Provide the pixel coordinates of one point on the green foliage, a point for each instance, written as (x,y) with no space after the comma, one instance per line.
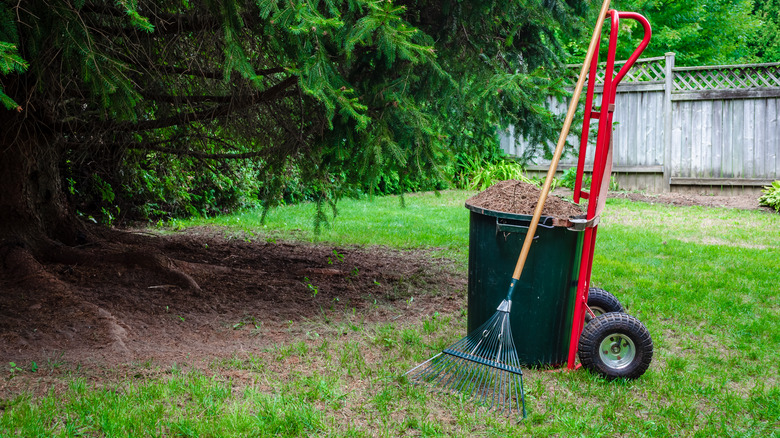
(771,197)
(765,43)
(569,178)
(189,108)
(481,175)
(155,186)
(700,32)
(10,61)
(175,187)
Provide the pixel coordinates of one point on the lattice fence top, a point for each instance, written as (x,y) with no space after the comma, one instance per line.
(726,77)
(644,70)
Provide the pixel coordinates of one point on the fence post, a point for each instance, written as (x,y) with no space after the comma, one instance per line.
(668,87)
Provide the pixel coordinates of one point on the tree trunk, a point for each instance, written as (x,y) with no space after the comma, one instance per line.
(33,206)
(36,225)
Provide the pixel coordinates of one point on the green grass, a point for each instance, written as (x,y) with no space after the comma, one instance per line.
(426,221)
(705,282)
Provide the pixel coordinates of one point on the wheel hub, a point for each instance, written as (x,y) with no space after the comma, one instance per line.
(617,351)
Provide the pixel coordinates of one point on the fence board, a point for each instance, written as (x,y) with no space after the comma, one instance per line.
(728,135)
(749,165)
(760,152)
(706,140)
(696,139)
(774,127)
(738,133)
(717,139)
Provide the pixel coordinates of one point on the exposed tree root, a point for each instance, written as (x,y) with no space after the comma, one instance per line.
(42,291)
(31,284)
(105,254)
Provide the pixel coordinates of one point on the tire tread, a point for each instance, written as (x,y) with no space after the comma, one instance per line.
(609,323)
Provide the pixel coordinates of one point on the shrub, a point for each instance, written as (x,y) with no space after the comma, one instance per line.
(771,197)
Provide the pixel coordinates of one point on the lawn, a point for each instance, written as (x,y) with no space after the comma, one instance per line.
(703,280)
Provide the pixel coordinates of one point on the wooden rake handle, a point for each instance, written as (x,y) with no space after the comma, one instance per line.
(575,98)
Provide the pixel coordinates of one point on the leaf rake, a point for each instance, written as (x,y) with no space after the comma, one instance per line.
(483,365)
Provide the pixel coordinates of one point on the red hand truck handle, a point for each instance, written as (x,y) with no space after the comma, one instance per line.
(638,51)
(611,84)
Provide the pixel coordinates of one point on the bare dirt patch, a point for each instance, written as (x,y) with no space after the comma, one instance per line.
(249,294)
(743,202)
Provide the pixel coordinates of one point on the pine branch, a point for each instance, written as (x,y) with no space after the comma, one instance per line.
(166,23)
(291,143)
(169,98)
(219,112)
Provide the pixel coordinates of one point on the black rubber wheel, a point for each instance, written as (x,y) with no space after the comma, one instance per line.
(601,301)
(616,345)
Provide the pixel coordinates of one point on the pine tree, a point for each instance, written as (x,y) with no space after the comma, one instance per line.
(344,91)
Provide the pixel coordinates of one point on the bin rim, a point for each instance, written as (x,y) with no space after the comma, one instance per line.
(504,214)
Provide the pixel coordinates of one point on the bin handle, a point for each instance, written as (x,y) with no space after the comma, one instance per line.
(516,226)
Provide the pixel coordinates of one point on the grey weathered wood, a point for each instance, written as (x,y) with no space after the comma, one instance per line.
(668,125)
(728,138)
(771,142)
(748,93)
(642,86)
(589,168)
(717,138)
(706,168)
(720,181)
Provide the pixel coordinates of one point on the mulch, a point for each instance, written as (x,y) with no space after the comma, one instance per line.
(518,197)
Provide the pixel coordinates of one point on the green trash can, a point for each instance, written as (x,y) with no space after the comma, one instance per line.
(543,302)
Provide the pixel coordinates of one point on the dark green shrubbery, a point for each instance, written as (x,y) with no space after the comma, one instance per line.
(154,186)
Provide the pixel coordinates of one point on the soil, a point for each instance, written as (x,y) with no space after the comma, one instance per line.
(742,202)
(247,296)
(517,197)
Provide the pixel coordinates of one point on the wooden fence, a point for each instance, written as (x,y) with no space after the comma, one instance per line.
(710,129)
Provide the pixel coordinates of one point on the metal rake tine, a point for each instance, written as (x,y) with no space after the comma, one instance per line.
(500,396)
(479,378)
(471,376)
(452,369)
(474,373)
(487,377)
(464,375)
(497,390)
(498,358)
(508,391)
(448,372)
(436,367)
(443,369)
(522,394)
(489,389)
(514,397)
(422,364)
(481,339)
(509,397)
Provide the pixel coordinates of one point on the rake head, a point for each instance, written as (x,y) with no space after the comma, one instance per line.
(483,366)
